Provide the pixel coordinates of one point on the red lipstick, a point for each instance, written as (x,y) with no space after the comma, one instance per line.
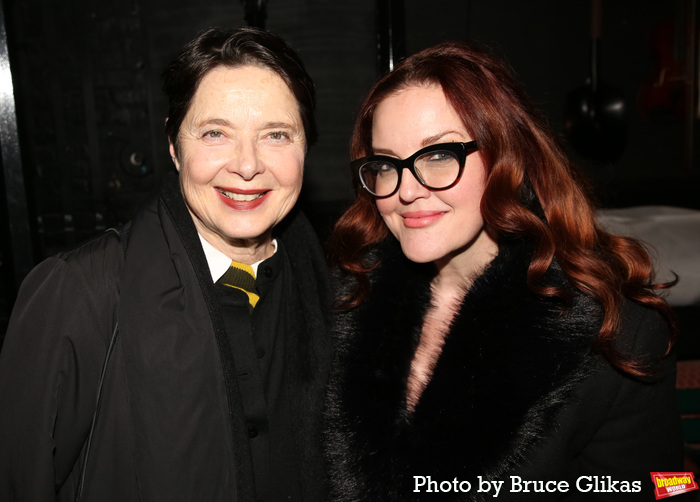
(243,203)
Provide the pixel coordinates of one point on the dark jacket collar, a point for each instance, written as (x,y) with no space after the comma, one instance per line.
(508,363)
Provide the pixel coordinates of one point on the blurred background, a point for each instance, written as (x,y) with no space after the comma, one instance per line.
(82,113)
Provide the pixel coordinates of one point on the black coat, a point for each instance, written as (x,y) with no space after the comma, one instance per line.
(171,425)
(515,392)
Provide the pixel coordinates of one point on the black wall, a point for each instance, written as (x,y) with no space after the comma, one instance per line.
(91,113)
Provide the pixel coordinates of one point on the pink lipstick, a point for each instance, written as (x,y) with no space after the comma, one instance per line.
(420,219)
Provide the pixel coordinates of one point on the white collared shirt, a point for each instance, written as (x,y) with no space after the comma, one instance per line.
(219,263)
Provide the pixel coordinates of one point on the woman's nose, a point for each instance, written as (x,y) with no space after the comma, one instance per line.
(410,188)
(246,161)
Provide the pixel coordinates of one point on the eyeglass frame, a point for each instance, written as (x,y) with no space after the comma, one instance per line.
(460,149)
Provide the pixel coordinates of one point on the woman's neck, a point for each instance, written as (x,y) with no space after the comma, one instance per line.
(459,269)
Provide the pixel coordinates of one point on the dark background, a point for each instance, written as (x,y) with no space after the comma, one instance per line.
(90,112)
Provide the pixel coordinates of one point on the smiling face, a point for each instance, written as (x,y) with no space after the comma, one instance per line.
(241,157)
(444,227)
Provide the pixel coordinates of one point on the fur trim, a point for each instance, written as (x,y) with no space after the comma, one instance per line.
(508,363)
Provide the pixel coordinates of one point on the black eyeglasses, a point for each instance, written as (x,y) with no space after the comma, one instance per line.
(437,167)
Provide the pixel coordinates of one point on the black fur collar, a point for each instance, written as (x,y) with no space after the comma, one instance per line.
(508,363)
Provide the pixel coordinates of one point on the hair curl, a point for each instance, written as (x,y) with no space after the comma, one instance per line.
(532,191)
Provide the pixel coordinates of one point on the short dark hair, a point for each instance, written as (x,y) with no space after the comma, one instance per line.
(234,48)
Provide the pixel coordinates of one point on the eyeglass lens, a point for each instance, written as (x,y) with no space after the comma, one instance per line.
(437,169)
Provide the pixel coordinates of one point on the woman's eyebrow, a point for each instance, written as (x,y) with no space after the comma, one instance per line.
(215,121)
(430,140)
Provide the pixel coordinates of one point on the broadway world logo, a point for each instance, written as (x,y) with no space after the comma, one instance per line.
(668,484)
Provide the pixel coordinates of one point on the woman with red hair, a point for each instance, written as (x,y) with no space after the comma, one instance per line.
(489,328)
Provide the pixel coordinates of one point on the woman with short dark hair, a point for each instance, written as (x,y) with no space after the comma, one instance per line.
(199,328)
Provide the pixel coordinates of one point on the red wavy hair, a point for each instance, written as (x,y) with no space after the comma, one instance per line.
(524,162)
